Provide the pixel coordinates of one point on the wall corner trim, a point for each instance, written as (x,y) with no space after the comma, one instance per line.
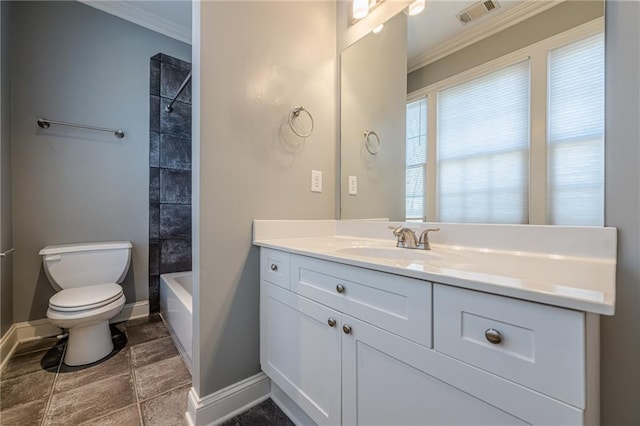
(226,403)
(8,345)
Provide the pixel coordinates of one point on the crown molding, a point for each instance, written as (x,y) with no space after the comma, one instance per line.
(481,31)
(141,17)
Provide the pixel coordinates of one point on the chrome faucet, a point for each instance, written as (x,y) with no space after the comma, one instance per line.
(407,238)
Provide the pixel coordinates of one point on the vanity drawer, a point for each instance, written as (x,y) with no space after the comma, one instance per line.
(538,346)
(397,304)
(275,267)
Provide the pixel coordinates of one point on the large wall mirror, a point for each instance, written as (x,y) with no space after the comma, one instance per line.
(499,120)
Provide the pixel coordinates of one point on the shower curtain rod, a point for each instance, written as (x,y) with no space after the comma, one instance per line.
(169,107)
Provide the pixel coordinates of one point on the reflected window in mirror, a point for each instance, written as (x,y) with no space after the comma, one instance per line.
(416,159)
(503,155)
(483,148)
(576,133)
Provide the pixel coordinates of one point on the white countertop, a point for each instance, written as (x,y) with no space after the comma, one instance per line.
(584,282)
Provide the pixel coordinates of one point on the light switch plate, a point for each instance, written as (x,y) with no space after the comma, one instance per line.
(353,185)
(316,181)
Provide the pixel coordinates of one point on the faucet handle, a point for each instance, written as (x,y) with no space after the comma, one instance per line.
(397,232)
(396,229)
(424,238)
(430,230)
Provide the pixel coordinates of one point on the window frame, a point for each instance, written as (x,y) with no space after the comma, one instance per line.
(422,165)
(537,54)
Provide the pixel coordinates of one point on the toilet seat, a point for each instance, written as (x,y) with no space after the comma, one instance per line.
(85,298)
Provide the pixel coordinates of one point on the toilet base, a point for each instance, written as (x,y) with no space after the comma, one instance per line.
(88,344)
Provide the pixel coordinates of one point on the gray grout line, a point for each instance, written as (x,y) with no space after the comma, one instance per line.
(132,372)
(140,414)
(133,378)
(105,415)
(53,386)
(165,392)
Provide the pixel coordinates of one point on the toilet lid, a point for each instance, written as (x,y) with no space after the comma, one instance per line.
(81,298)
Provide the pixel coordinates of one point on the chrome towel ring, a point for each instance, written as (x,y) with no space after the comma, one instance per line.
(372,147)
(294,113)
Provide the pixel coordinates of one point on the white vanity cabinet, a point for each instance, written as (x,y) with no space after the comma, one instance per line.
(354,346)
(300,351)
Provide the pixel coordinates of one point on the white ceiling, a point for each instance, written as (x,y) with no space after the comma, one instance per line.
(433,27)
(176,11)
(438,23)
(169,17)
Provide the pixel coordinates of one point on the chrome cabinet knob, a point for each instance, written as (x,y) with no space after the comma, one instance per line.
(331,322)
(274,267)
(346,329)
(340,288)
(493,336)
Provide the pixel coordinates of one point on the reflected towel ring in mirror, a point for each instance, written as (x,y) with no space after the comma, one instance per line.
(295,112)
(372,143)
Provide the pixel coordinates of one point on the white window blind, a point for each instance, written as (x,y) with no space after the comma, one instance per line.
(483,148)
(576,133)
(416,158)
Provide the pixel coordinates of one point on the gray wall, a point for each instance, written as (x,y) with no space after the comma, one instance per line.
(373,97)
(74,63)
(620,341)
(544,25)
(6,268)
(251,165)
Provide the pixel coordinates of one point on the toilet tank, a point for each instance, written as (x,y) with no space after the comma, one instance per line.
(85,264)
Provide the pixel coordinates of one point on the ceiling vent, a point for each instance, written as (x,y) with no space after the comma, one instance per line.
(477,10)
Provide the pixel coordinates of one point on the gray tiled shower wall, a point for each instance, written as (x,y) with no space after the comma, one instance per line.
(169,173)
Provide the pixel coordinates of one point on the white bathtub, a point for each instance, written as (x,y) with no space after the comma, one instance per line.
(176,306)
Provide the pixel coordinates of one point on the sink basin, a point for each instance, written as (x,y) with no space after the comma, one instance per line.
(390,253)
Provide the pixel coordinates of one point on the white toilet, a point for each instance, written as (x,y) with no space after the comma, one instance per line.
(86,277)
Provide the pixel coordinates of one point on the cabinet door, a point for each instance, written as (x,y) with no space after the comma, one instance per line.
(398,304)
(388,380)
(300,351)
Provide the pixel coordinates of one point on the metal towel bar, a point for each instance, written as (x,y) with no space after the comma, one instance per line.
(6,253)
(45,123)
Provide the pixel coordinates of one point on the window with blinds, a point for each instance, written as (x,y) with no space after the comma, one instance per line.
(575,133)
(416,158)
(483,148)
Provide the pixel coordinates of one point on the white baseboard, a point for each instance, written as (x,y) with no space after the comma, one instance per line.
(22,332)
(218,407)
(132,311)
(37,329)
(8,345)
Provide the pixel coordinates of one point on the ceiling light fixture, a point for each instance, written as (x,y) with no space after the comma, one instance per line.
(377,29)
(360,8)
(416,7)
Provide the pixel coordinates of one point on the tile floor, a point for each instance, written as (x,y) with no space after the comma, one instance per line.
(143,381)
(264,414)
